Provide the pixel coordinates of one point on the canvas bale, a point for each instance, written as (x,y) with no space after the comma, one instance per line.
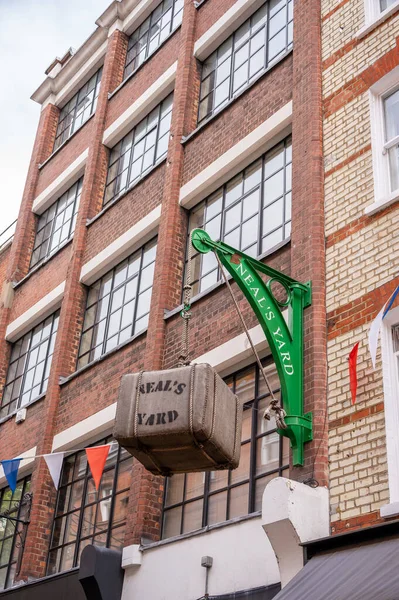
(179,421)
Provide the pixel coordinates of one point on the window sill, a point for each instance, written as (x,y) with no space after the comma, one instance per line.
(371,209)
(133,73)
(171,313)
(44,262)
(66,142)
(378,20)
(123,194)
(389,510)
(64,380)
(203,530)
(216,114)
(11,415)
(199,3)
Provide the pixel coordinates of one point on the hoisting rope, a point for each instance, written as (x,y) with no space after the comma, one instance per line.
(184,360)
(274,404)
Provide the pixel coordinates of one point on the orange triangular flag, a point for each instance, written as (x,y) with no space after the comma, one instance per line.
(96,457)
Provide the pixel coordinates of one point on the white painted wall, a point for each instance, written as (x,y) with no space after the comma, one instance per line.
(242,558)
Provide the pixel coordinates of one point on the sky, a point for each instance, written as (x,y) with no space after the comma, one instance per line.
(32,34)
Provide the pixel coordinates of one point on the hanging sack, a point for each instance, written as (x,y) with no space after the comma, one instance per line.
(179,421)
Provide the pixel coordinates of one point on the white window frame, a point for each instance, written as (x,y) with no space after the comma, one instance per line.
(391,407)
(373,15)
(383,196)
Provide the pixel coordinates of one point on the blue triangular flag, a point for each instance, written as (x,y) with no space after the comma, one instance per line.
(10,468)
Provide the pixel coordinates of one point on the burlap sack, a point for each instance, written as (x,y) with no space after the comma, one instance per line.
(179,421)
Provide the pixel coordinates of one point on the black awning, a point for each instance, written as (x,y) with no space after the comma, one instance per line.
(365,572)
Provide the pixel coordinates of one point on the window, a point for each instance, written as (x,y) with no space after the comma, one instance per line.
(118,305)
(391,146)
(78,109)
(17,506)
(139,150)
(84,516)
(56,225)
(384,4)
(195,500)
(29,367)
(149,36)
(251,212)
(244,55)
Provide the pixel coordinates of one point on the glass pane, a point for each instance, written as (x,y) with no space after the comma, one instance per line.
(192,516)
(267,453)
(174,489)
(395,338)
(172,522)
(392,115)
(238,505)
(217,506)
(394,167)
(218,479)
(194,485)
(242,471)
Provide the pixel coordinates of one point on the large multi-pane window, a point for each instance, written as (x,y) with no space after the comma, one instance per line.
(15,505)
(251,212)
(118,305)
(139,150)
(245,55)
(195,500)
(391,146)
(57,224)
(29,367)
(78,109)
(149,36)
(85,516)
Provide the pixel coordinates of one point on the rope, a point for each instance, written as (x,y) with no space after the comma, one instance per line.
(184,360)
(274,404)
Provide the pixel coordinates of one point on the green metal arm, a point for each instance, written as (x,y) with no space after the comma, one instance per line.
(285,340)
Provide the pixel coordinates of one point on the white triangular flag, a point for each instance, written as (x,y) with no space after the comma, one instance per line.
(374,334)
(54,464)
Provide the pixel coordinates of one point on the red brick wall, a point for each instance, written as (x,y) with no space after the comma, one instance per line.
(209,13)
(145,76)
(238,120)
(125,213)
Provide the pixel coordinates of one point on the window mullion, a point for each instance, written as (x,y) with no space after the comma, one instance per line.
(47,351)
(108,317)
(81,513)
(113,496)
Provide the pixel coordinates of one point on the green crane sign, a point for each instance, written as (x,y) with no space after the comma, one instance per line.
(285,339)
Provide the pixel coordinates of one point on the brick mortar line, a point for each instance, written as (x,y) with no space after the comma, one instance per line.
(356,416)
(359,311)
(346,48)
(347,161)
(357,225)
(334,10)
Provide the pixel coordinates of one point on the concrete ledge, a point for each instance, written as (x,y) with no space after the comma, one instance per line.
(35,314)
(224,27)
(237,157)
(86,430)
(61,184)
(293,513)
(120,248)
(141,107)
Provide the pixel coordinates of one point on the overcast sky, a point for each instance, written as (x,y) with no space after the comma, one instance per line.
(32,34)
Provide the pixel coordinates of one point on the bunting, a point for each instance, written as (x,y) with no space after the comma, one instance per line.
(96,457)
(374,332)
(54,464)
(10,468)
(353,371)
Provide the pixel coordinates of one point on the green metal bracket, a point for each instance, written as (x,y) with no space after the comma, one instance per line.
(285,339)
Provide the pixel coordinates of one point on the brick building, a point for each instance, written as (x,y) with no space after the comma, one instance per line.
(174,115)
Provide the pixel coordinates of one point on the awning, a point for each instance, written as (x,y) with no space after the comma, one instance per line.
(366,572)
(261,593)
